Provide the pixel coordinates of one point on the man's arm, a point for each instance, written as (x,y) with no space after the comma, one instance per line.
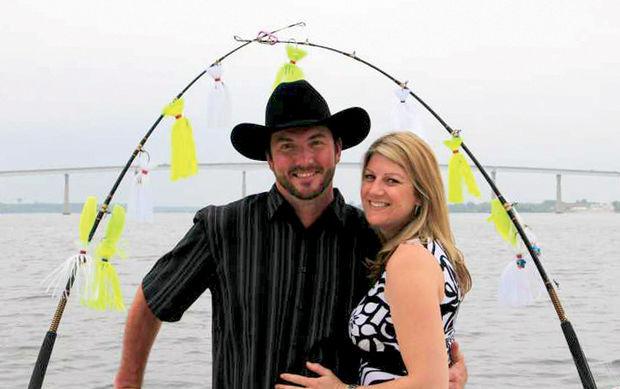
(458,370)
(140,332)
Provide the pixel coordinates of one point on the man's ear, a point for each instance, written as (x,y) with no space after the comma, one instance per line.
(338,145)
(269,159)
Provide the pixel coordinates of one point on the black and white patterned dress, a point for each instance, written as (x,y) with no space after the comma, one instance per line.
(372,330)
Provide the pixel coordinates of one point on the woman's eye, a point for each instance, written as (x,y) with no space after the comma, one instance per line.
(368,177)
(392,181)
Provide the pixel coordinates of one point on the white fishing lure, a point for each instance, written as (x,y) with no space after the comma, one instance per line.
(405,116)
(75,273)
(140,205)
(218,101)
(520,284)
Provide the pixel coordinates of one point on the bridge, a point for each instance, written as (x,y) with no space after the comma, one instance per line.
(244,167)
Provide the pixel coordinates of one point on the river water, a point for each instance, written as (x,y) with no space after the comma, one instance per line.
(504,347)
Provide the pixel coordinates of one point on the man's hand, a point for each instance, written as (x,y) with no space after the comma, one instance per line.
(458,370)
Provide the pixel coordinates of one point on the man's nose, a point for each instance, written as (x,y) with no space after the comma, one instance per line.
(306,155)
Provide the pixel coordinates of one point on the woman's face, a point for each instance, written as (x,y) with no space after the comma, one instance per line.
(387,195)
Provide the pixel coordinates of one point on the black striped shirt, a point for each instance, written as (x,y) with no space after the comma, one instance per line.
(281,293)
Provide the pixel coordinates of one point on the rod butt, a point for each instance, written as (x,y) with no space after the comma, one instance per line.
(578,356)
(38,374)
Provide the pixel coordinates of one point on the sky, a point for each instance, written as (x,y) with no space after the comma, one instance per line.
(529,83)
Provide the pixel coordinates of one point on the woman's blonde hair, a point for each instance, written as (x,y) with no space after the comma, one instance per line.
(430,221)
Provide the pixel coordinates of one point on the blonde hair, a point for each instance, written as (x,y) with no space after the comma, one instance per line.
(430,221)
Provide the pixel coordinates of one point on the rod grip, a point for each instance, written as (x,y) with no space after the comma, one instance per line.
(578,356)
(38,374)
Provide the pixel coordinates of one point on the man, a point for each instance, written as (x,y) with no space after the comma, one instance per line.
(285,268)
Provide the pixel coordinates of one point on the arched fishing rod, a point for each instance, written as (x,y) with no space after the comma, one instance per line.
(40,368)
(38,373)
(579,358)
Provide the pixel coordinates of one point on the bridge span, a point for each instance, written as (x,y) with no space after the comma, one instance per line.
(244,167)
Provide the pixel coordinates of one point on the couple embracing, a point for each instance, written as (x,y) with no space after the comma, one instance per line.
(308,291)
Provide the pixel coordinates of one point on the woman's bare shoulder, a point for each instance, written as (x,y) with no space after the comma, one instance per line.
(411,255)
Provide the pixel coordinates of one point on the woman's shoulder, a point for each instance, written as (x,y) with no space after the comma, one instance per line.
(410,256)
(412,270)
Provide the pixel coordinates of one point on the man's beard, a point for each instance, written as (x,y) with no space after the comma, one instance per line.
(327,180)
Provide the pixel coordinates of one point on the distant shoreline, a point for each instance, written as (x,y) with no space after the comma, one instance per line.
(547,206)
(77,208)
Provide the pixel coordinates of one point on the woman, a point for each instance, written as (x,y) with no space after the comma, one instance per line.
(404,326)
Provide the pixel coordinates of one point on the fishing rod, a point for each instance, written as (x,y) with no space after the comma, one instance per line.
(579,358)
(45,352)
(269,38)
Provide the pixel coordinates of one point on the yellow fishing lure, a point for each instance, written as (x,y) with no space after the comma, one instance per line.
(105,291)
(459,173)
(290,72)
(183,160)
(87,218)
(503,224)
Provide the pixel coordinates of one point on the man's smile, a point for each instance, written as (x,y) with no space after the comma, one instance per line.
(305,173)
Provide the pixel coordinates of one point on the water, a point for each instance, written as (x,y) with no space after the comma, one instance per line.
(520,348)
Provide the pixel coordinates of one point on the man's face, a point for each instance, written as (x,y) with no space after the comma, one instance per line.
(304,160)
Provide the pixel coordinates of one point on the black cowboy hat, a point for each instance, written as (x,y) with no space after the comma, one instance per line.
(298,104)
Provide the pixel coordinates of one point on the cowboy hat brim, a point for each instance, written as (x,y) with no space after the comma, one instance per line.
(253,140)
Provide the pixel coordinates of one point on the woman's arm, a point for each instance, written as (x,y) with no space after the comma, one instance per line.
(414,288)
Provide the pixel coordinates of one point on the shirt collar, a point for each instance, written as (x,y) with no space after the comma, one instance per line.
(276,204)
